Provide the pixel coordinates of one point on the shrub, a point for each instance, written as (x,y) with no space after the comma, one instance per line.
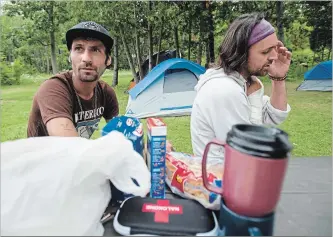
(11,72)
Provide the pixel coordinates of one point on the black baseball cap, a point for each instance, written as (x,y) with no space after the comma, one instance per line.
(89,29)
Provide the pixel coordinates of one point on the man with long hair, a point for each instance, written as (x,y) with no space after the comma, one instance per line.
(73,102)
(231,93)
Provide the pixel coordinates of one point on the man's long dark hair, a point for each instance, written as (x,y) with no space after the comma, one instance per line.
(233,51)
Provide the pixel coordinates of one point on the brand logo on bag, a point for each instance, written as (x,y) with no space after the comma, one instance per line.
(162,209)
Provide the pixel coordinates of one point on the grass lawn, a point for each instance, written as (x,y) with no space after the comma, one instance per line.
(309,124)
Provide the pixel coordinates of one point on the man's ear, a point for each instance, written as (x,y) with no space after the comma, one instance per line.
(69,56)
(108,62)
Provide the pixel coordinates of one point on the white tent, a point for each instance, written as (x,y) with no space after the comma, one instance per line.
(168,90)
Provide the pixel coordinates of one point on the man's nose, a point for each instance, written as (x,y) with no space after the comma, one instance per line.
(274,54)
(86,57)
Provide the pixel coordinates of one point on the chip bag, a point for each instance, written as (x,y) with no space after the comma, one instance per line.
(184,177)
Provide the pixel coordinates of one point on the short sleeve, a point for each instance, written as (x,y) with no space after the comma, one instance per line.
(54,100)
(111,103)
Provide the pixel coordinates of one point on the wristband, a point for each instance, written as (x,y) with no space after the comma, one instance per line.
(277,78)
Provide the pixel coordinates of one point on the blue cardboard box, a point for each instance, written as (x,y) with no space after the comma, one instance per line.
(156,152)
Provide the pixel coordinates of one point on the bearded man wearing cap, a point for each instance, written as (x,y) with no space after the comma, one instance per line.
(231,93)
(72,103)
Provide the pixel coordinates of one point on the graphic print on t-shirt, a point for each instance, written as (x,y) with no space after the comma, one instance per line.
(87,121)
(86,128)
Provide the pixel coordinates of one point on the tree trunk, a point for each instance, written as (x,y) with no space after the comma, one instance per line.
(279,19)
(189,37)
(115,62)
(150,39)
(159,43)
(53,53)
(42,61)
(144,49)
(199,55)
(137,47)
(313,58)
(211,35)
(329,54)
(11,56)
(53,46)
(138,54)
(175,30)
(129,56)
(37,58)
(201,38)
(207,54)
(322,53)
(47,64)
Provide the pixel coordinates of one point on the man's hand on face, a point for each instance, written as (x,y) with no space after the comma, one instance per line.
(280,66)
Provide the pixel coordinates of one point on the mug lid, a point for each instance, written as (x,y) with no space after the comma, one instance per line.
(262,141)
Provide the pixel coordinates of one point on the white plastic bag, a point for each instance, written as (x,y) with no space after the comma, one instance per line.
(60,185)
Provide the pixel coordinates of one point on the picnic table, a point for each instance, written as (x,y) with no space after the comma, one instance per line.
(305,206)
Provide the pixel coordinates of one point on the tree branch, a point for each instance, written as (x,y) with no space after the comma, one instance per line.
(42,43)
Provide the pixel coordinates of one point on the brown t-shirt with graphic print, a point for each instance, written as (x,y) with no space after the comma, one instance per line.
(56,98)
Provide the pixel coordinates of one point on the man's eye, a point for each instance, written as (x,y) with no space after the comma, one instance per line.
(266,51)
(77,48)
(96,50)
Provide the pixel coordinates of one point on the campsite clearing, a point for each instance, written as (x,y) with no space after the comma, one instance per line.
(309,124)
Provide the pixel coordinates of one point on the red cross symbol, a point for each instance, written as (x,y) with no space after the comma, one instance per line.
(162,209)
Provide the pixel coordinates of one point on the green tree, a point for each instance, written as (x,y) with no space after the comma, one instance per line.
(46,17)
(319,16)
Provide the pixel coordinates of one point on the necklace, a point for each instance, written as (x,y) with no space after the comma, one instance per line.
(79,100)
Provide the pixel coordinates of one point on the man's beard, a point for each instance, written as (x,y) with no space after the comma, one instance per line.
(263,71)
(259,73)
(90,76)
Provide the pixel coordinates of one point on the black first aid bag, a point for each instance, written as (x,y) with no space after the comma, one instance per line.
(150,216)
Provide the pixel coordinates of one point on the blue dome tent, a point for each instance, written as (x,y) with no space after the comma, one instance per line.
(167,90)
(319,78)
